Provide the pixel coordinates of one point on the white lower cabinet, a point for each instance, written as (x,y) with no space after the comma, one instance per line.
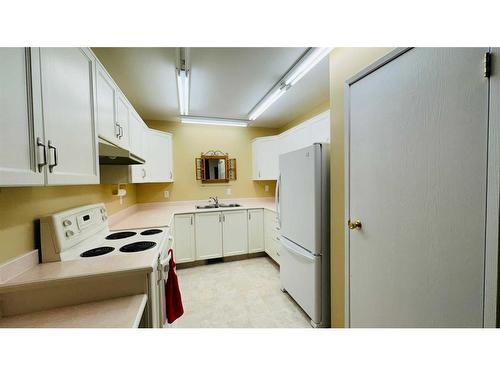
(184,235)
(208,235)
(256,230)
(271,235)
(234,233)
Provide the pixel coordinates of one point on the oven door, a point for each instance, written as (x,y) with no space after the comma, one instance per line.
(163,265)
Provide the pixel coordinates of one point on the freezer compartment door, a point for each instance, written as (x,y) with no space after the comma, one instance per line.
(300,197)
(300,273)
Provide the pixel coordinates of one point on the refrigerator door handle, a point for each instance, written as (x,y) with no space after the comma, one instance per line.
(295,249)
(276,200)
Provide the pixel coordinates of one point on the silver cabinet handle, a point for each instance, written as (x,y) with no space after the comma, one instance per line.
(51,166)
(117,126)
(121,131)
(249,215)
(143,173)
(39,143)
(191,219)
(220,218)
(223,218)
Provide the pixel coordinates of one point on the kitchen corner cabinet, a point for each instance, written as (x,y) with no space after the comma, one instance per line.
(106,106)
(256,230)
(136,134)
(20,127)
(234,233)
(184,235)
(208,237)
(122,120)
(266,150)
(158,147)
(53,144)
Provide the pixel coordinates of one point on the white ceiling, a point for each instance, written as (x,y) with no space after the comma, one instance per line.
(225,82)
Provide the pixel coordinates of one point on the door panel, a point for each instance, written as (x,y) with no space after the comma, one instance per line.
(417,180)
(184,238)
(19,154)
(255,230)
(68,114)
(208,235)
(122,119)
(234,231)
(300,197)
(105,99)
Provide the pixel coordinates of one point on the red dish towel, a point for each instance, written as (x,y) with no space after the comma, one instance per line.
(173,299)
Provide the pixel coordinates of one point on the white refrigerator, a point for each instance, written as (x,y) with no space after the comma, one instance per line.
(304,218)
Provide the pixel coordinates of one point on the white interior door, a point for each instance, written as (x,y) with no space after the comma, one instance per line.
(208,235)
(417,181)
(68,115)
(234,232)
(19,152)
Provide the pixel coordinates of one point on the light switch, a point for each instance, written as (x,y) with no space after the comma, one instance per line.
(228,191)
(166,194)
(266,188)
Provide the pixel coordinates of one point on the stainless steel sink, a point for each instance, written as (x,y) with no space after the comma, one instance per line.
(220,205)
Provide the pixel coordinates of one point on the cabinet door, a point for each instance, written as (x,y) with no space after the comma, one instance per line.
(122,120)
(208,237)
(136,131)
(158,157)
(255,230)
(184,238)
(169,162)
(19,153)
(265,153)
(105,103)
(234,232)
(67,76)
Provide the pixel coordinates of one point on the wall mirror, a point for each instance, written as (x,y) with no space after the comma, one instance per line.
(215,167)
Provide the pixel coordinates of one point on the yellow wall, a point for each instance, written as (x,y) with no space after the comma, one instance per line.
(191,140)
(344,63)
(20,207)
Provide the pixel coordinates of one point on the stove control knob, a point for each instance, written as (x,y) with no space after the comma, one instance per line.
(69,233)
(67,223)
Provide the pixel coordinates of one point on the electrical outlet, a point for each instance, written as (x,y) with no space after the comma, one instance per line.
(228,191)
(166,194)
(266,188)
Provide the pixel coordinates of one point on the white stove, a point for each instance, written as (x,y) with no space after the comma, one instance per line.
(83,233)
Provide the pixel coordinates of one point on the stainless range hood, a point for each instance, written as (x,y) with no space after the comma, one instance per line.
(109,154)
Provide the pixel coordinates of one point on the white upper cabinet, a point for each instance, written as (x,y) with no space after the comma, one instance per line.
(136,134)
(158,167)
(106,104)
(266,150)
(19,153)
(67,81)
(265,162)
(122,120)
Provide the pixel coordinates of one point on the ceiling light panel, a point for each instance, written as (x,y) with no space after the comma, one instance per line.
(183,76)
(213,121)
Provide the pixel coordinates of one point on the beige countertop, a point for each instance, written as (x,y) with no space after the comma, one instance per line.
(147,215)
(76,269)
(123,312)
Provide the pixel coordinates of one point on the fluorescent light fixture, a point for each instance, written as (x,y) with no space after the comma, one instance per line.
(213,121)
(305,64)
(183,75)
(183,91)
(312,57)
(266,102)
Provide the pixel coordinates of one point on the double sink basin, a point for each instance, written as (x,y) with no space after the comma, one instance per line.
(220,205)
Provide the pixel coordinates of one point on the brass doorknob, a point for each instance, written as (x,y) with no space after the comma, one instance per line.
(356,225)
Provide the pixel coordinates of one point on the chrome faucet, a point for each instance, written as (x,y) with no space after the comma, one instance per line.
(215,199)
